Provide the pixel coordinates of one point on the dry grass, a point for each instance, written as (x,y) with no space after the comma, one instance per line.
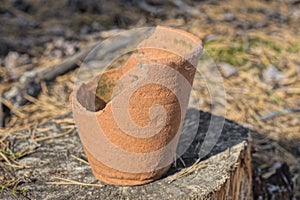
(64,181)
(198,165)
(270,108)
(249,98)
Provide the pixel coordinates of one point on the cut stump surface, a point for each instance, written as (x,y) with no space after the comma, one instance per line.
(225,173)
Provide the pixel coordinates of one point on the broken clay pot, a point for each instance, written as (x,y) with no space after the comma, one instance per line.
(129,118)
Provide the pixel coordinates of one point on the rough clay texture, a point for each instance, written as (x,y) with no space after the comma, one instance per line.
(107,147)
(227,175)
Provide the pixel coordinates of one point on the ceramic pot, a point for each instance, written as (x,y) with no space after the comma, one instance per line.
(129,118)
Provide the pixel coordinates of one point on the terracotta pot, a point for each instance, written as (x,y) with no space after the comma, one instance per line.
(132,136)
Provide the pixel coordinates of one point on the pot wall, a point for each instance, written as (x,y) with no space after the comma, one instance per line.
(133,139)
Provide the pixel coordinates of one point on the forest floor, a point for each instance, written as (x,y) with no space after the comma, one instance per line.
(256,45)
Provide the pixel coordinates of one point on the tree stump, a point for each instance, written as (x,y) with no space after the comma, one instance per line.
(225,173)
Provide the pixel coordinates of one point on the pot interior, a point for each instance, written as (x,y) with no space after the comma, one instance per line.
(97,93)
(165,44)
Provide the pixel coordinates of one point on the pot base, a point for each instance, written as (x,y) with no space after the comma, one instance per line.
(115,177)
(122,182)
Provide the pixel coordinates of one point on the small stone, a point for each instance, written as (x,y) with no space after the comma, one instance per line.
(228,17)
(14,59)
(10,60)
(57,53)
(28,77)
(11,93)
(59,42)
(227,70)
(69,48)
(210,37)
(48,48)
(271,75)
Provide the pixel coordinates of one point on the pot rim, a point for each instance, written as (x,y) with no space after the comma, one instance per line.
(75,102)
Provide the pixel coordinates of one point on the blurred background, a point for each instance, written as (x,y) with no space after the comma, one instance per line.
(255,44)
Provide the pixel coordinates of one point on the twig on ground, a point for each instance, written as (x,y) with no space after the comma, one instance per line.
(79,159)
(11,107)
(182,161)
(67,126)
(189,10)
(65,120)
(31,81)
(150,9)
(186,171)
(44,87)
(55,136)
(42,130)
(65,181)
(275,114)
(19,165)
(51,73)
(5,158)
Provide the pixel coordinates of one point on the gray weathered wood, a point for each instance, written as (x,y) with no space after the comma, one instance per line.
(227,174)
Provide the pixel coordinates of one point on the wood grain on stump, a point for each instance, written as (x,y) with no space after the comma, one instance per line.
(225,173)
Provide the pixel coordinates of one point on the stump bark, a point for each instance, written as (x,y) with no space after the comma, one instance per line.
(224,173)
